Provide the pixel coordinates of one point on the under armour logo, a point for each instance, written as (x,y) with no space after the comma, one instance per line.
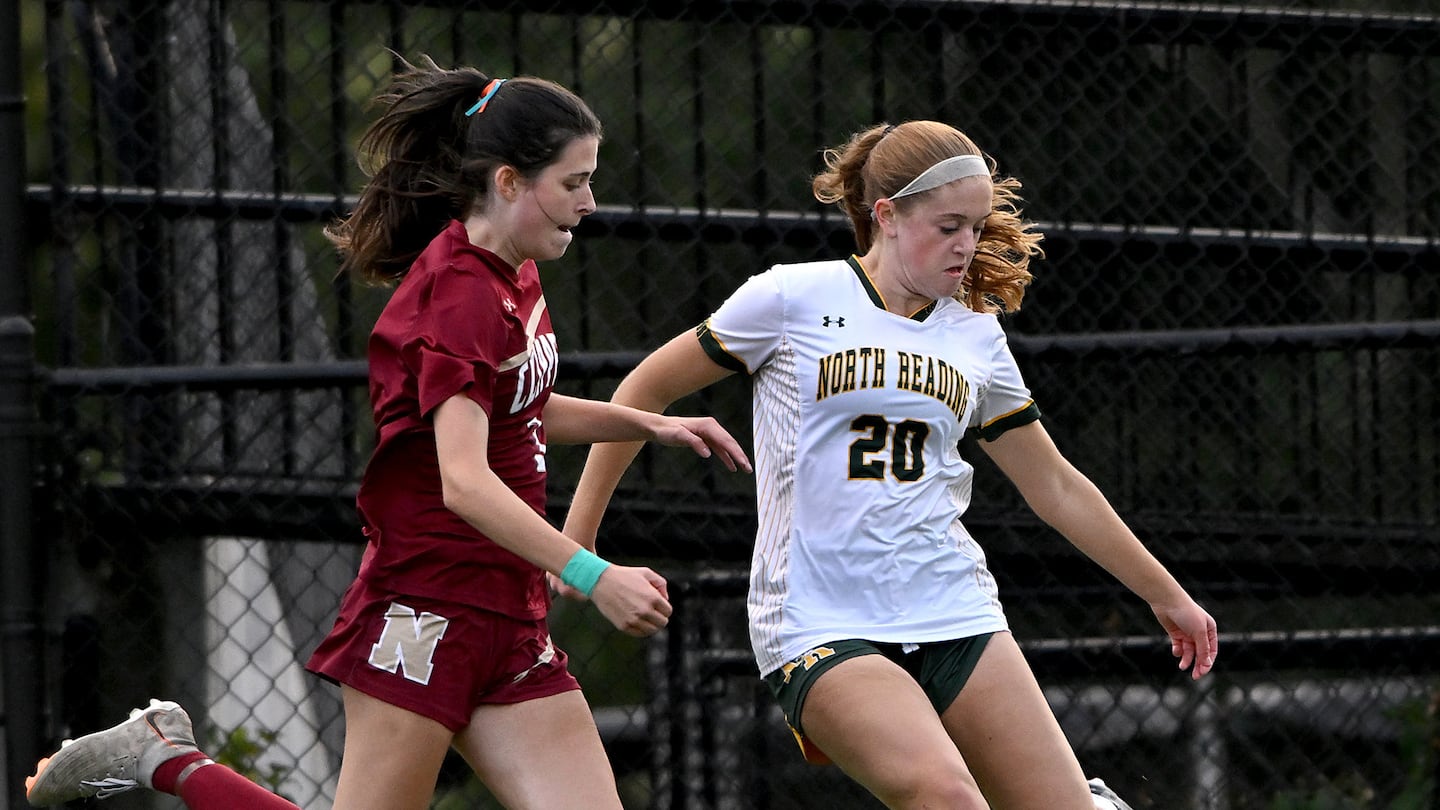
(833,320)
(509,305)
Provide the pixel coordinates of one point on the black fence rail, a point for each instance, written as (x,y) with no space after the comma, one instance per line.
(728,747)
(1234,333)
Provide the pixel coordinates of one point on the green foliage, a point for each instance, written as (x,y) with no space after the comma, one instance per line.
(1419,749)
(241,752)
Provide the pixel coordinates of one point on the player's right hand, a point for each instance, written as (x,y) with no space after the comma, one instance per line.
(635,600)
(1194,638)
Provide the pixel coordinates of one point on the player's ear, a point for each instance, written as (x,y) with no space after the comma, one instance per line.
(884,213)
(507,182)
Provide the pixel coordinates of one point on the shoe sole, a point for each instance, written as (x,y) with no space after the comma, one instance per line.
(31,779)
(56,794)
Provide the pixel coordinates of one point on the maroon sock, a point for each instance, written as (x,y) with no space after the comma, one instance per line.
(214,787)
(169,770)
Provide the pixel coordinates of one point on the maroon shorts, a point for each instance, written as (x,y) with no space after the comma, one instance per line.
(438,659)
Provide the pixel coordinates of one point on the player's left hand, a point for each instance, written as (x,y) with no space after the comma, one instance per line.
(1194,638)
(705,436)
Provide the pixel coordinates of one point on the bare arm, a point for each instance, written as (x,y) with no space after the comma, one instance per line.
(571,420)
(674,370)
(633,599)
(1071,504)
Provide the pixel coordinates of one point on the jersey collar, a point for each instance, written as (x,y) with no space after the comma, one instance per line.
(875,298)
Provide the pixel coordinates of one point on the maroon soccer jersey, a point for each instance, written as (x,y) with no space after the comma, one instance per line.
(461,321)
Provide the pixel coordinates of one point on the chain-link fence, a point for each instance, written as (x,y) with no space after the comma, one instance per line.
(1235,334)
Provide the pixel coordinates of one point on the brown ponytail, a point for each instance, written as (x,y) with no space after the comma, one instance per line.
(430,159)
(881,160)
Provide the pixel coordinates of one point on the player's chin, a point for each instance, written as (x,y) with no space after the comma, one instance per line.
(557,246)
(947,290)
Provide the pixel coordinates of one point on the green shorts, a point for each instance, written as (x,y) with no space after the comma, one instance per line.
(941,668)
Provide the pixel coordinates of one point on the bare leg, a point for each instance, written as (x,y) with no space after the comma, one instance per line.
(876,723)
(543,754)
(392,756)
(1002,724)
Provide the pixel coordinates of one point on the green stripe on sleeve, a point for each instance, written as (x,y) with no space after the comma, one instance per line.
(993,429)
(717,351)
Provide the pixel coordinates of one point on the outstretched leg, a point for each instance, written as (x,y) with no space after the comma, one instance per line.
(155,749)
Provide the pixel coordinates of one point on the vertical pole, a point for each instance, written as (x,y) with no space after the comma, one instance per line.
(20,572)
(1207,749)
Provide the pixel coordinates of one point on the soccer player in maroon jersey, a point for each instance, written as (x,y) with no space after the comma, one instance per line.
(442,640)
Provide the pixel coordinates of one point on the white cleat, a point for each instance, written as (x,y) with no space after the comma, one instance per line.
(1105,798)
(115,760)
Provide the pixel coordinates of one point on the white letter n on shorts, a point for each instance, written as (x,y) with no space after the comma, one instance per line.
(408,642)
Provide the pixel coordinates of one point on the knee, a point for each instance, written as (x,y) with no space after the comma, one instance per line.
(939,788)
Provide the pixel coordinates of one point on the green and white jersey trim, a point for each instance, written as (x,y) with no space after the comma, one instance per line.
(858,413)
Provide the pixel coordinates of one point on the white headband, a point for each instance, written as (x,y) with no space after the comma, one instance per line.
(946,171)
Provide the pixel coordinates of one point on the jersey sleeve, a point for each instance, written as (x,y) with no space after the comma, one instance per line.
(744,332)
(1005,402)
(458,341)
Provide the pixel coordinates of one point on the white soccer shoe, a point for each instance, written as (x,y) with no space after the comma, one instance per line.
(1105,798)
(115,760)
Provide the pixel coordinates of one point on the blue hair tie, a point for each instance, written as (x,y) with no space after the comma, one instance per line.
(485,97)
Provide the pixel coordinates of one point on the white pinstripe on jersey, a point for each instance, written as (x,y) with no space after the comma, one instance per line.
(860,483)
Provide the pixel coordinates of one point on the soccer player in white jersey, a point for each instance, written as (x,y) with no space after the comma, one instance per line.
(870,606)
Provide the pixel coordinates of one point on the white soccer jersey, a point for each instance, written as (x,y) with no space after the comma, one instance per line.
(858,413)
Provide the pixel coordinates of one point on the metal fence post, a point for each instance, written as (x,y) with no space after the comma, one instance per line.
(20,566)
(20,630)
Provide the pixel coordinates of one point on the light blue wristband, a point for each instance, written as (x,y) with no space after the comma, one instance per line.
(583,571)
